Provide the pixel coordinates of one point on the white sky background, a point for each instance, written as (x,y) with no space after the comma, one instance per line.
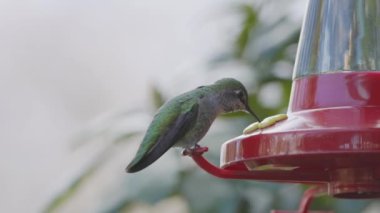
(64,63)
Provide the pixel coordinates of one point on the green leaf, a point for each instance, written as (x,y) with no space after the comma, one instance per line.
(250,21)
(72,188)
(156,96)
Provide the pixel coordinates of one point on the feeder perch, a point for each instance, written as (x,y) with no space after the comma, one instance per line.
(332,135)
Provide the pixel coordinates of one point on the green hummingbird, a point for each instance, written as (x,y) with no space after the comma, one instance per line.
(184,120)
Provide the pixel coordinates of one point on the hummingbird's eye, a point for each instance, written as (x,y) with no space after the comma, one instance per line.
(239,94)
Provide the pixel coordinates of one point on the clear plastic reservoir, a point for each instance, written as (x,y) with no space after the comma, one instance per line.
(339,35)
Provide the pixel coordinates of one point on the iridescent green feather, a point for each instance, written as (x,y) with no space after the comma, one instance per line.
(165,118)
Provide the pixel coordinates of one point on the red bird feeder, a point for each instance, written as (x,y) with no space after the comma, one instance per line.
(332,135)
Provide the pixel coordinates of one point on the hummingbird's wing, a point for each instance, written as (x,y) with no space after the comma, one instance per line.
(155,144)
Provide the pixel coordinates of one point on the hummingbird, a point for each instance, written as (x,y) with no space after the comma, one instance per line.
(184,120)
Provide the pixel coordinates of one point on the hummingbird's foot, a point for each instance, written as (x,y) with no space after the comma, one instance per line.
(196,150)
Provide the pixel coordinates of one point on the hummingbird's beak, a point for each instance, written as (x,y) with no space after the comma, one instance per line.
(252,113)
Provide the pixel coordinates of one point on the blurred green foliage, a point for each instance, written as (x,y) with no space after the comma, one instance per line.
(268,48)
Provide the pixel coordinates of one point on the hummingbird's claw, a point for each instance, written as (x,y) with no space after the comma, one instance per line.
(197,150)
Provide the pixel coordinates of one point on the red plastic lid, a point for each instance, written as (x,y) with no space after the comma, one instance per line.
(332,135)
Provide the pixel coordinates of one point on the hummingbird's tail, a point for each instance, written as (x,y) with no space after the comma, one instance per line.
(141,163)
